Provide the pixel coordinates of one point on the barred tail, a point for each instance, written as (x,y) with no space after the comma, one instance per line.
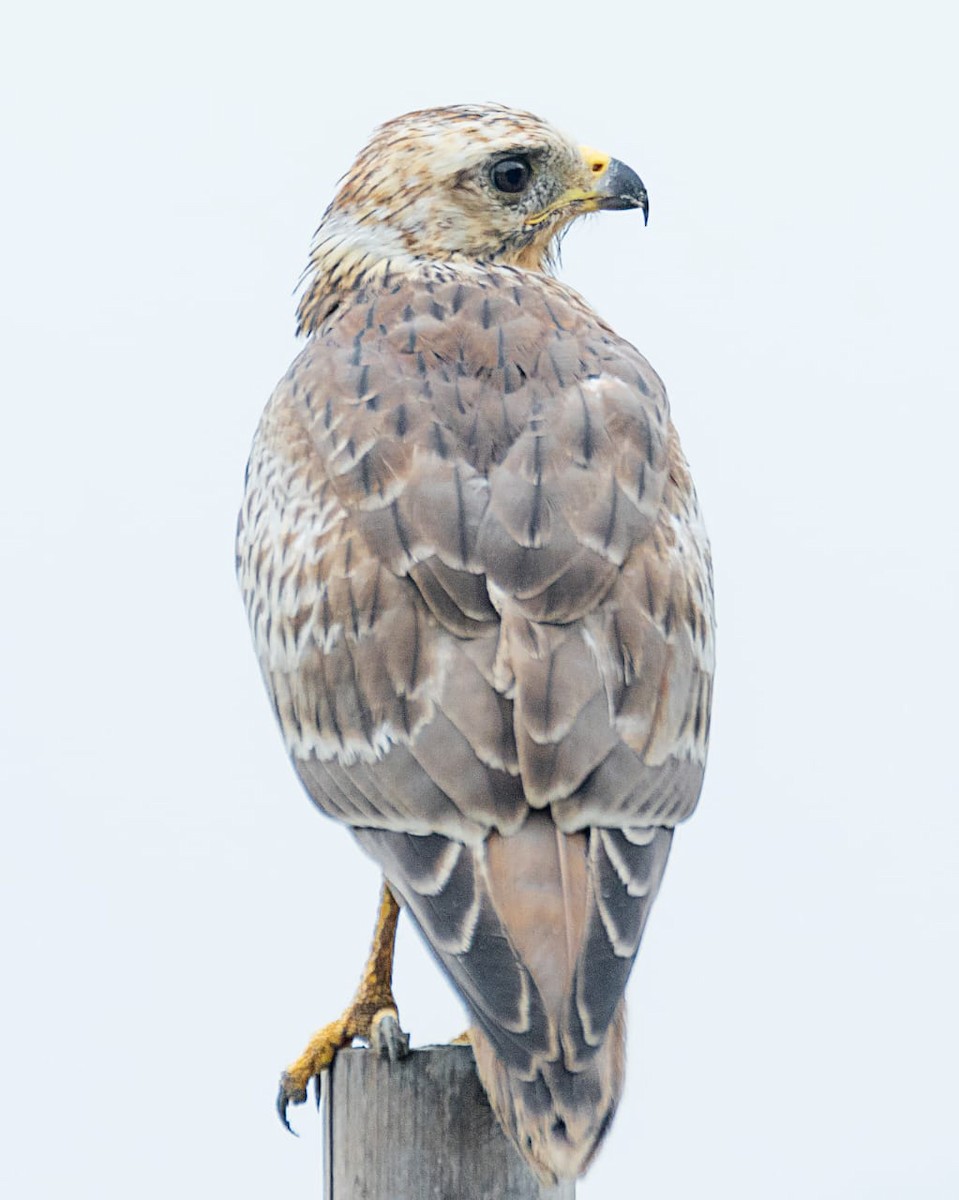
(538,931)
(558,1118)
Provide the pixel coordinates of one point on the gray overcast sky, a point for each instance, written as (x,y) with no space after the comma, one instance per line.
(178,918)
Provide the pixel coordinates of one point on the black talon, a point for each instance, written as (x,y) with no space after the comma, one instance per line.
(283,1102)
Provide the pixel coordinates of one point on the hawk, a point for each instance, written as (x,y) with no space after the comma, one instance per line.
(480,593)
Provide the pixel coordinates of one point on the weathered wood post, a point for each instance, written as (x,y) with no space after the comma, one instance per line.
(420,1129)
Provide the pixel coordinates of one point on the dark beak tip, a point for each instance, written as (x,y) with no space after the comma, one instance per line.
(631,202)
(643,203)
(625,189)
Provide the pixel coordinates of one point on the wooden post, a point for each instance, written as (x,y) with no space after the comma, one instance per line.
(420,1129)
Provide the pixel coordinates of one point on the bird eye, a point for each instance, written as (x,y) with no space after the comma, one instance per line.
(511,175)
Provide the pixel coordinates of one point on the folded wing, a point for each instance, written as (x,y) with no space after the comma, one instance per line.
(481,596)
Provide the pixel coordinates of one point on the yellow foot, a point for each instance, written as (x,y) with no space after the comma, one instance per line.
(381,1031)
(372,1016)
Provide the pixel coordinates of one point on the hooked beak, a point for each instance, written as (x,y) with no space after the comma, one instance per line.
(614,186)
(620,187)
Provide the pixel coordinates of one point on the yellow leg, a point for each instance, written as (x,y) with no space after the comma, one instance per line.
(371,1015)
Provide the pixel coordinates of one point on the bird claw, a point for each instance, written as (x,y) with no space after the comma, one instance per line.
(288,1094)
(314,1060)
(382,1031)
(387,1038)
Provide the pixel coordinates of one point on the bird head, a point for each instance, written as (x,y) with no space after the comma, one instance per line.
(483,182)
(480,183)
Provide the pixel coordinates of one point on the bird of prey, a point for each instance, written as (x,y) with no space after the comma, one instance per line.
(480,592)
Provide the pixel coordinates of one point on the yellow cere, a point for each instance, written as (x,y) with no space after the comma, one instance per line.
(598,163)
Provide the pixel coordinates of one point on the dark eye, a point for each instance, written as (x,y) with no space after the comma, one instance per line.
(511,175)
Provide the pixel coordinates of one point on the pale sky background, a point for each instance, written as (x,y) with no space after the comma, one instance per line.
(177,917)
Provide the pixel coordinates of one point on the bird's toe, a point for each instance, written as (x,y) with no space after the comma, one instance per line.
(387,1037)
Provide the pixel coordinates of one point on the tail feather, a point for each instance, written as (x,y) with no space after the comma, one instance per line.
(538,931)
(558,1119)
